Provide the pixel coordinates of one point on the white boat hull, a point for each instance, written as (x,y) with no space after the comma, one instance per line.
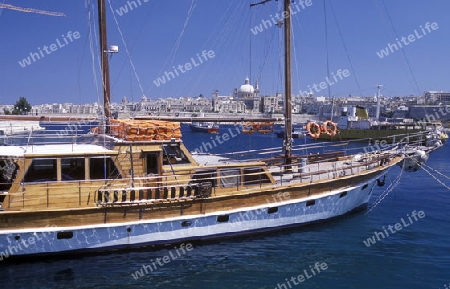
(184,228)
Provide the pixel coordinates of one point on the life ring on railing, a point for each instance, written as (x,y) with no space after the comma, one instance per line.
(248,128)
(313,129)
(95,130)
(323,128)
(330,128)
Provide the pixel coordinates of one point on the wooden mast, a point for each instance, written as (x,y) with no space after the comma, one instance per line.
(287,143)
(105,62)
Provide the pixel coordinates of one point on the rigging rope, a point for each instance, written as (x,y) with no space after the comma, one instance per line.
(174,50)
(126,48)
(227,30)
(346,49)
(92,41)
(401,48)
(295,56)
(266,53)
(405,58)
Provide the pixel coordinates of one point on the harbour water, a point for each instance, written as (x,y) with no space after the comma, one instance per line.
(334,254)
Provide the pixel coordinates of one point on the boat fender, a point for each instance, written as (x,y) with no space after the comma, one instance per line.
(381,183)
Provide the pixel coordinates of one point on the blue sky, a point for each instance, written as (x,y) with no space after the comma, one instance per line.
(156,40)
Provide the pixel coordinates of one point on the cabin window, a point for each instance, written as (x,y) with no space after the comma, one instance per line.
(41,170)
(186,223)
(205,176)
(255,176)
(272,210)
(152,163)
(8,170)
(223,218)
(64,235)
(310,203)
(103,168)
(230,178)
(174,155)
(72,169)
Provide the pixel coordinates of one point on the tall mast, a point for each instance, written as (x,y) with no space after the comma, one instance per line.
(287,144)
(105,62)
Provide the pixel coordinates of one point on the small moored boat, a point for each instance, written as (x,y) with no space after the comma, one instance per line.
(204,127)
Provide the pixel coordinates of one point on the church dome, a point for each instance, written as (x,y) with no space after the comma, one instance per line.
(246,87)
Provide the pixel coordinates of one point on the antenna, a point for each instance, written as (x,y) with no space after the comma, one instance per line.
(259,3)
(377,114)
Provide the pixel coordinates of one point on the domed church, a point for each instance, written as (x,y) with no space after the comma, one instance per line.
(249,95)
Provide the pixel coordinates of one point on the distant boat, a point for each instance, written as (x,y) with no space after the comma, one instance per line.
(356,125)
(258,127)
(298,132)
(204,127)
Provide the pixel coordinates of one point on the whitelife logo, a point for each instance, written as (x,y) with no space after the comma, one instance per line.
(130,6)
(169,75)
(66,39)
(411,38)
(393,229)
(159,262)
(294,9)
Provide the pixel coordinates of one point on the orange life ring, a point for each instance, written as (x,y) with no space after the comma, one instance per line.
(330,128)
(248,128)
(323,128)
(313,129)
(95,130)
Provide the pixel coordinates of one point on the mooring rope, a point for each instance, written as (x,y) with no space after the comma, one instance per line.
(436,171)
(431,175)
(386,192)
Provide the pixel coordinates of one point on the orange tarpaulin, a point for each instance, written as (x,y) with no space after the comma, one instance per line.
(145,130)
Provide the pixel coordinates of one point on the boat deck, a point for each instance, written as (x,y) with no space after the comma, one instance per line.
(321,171)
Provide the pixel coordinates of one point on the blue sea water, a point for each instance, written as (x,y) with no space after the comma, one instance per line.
(417,256)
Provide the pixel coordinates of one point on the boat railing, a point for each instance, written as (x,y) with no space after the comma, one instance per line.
(49,138)
(182,186)
(329,169)
(171,190)
(137,195)
(408,138)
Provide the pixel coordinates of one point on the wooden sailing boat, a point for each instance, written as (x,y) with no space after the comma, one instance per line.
(133,183)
